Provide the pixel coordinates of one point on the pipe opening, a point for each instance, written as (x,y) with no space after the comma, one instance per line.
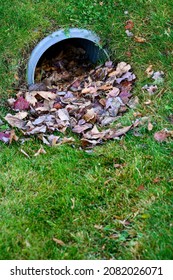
(58,41)
(67,59)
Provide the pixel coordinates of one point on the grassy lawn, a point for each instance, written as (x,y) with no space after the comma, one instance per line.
(97,210)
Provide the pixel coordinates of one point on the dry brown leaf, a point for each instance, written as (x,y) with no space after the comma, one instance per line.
(129,24)
(118,165)
(119,132)
(42,109)
(85,90)
(49,104)
(105,87)
(53,139)
(45,94)
(37,129)
(40,151)
(106,93)
(150,126)
(73,203)
(149,71)
(98,226)
(81,128)
(16,76)
(13,136)
(94,134)
(63,114)
(39,120)
(23,152)
(57,105)
(14,122)
(21,115)
(86,142)
(67,140)
(90,116)
(141,188)
(137,114)
(102,101)
(162,135)
(121,68)
(11,101)
(5,137)
(148,102)
(133,102)
(30,97)
(89,90)
(58,241)
(140,121)
(108,120)
(114,92)
(139,39)
(41,137)
(156,180)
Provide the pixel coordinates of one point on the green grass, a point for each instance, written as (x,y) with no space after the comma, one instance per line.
(67,193)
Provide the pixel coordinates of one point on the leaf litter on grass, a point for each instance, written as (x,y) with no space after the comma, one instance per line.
(70,93)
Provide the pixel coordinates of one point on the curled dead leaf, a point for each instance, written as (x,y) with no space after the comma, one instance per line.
(21,115)
(119,132)
(81,128)
(137,114)
(86,142)
(11,102)
(63,114)
(98,226)
(129,24)
(57,106)
(53,139)
(118,165)
(58,241)
(40,151)
(139,39)
(148,102)
(14,121)
(89,90)
(105,87)
(36,130)
(149,71)
(162,135)
(45,94)
(67,140)
(13,136)
(24,153)
(141,188)
(30,98)
(90,116)
(150,126)
(156,180)
(121,68)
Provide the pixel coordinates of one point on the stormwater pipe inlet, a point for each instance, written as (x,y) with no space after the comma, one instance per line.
(86,39)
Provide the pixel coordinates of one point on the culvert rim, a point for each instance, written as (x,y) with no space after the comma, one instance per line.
(58,36)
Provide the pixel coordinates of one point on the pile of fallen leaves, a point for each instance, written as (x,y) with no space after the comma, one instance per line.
(88,105)
(72,95)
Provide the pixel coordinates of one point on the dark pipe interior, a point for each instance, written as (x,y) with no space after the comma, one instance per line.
(92,52)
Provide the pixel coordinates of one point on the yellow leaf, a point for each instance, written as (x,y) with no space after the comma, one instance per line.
(145,216)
